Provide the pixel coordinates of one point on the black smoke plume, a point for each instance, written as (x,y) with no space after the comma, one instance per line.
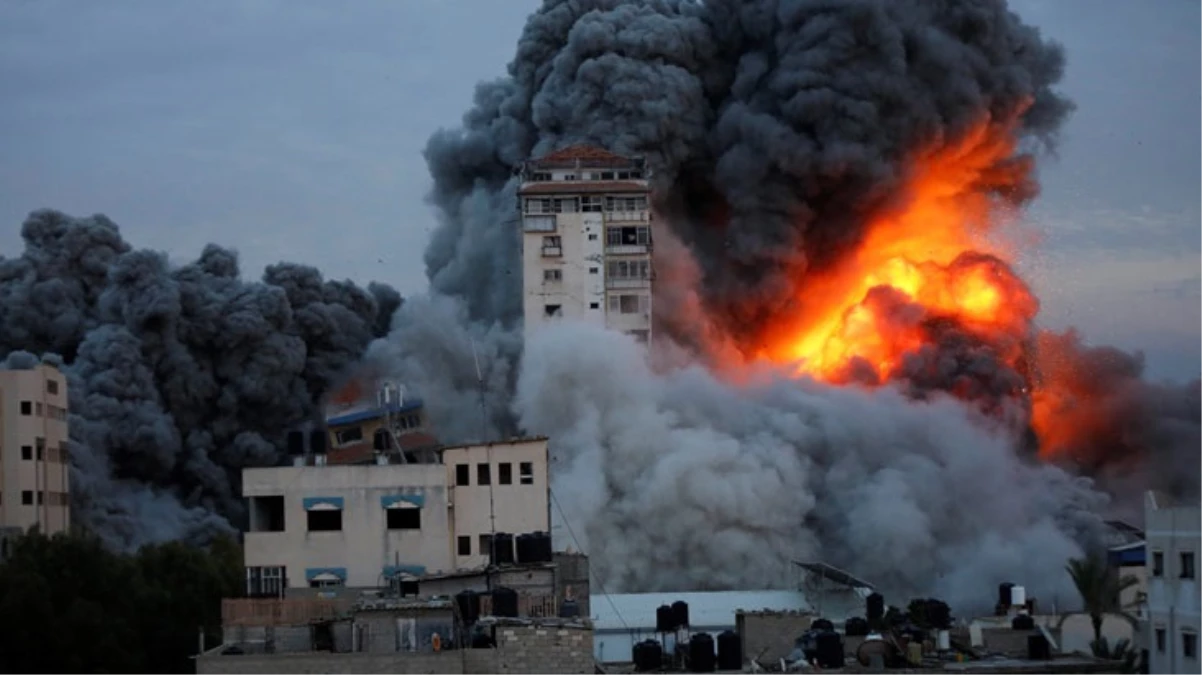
(178,377)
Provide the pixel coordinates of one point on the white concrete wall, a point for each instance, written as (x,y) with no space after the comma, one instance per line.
(1173,602)
(518,509)
(49,475)
(364,546)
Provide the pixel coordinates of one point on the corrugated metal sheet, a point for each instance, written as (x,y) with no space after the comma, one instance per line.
(709,610)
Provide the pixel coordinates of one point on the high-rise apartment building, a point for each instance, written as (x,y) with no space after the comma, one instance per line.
(33,450)
(587,240)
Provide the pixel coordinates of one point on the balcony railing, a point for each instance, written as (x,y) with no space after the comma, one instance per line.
(627,283)
(628,249)
(528,606)
(552,251)
(641,216)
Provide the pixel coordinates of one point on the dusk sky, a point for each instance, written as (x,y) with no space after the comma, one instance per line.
(294,130)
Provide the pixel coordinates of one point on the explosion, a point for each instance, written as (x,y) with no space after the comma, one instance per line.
(932,259)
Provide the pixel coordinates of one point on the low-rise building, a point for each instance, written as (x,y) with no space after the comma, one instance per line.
(330,527)
(34,476)
(1173,614)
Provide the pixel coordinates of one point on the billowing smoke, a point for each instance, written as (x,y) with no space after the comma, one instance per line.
(178,377)
(777,132)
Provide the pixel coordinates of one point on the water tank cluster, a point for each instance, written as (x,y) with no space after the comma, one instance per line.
(648,656)
(524,549)
(669,618)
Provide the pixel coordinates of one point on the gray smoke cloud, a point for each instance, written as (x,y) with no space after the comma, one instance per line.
(178,377)
(678,480)
(775,130)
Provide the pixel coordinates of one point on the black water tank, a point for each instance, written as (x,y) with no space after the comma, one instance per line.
(569,609)
(317,442)
(648,656)
(296,442)
(1038,648)
(468,604)
(504,602)
(701,653)
(664,619)
(1022,622)
(730,651)
(680,614)
(856,626)
(828,648)
(540,547)
(822,625)
(503,546)
(525,552)
(1003,594)
(875,608)
(482,640)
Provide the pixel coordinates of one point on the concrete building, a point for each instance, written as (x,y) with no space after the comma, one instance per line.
(34,480)
(587,240)
(331,527)
(1173,614)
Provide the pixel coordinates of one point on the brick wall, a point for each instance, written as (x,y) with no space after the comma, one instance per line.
(769,636)
(547,647)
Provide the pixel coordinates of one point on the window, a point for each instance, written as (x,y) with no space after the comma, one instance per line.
(593,270)
(404,519)
(537,223)
(1187,565)
(635,235)
(552,310)
(541,177)
(408,587)
(27,497)
(26,407)
(462,475)
(552,242)
(41,497)
(526,473)
(552,275)
(267,514)
(505,473)
(485,544)
(326,583)
(592,237)
(264,582)
(346,436)
(538,206)
(1158,564)
(41,448)
(592,204)
(569,176)
(625,203)
(1160,640)
(325,521)
(465,545)
(629,269)
(51,386)
(1189,644)
(629,304)
(594,305)
(607,175)
(27,452)
(483,474)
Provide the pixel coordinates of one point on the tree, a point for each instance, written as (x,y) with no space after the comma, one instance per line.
(1100,588)
(68,604)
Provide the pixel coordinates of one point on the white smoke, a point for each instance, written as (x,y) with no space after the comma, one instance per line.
(677,480)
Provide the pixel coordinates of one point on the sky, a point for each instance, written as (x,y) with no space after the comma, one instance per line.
(293,130)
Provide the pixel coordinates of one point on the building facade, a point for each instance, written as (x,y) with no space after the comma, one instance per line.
(587,240)
(373,525)
(34,477)
(1174,618)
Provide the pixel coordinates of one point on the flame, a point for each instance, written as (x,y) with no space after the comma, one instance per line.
(935,256)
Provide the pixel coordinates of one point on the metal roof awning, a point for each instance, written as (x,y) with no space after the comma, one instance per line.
(832,573)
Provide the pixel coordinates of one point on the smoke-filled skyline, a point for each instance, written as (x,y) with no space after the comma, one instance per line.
(778,136)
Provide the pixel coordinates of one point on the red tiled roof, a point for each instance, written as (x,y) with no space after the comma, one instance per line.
(590,155)
(581,187)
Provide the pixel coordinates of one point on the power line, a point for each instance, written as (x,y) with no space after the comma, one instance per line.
(600,584)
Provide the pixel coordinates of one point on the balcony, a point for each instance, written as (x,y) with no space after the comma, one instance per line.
(552,251)
(538,223)
(619,284)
